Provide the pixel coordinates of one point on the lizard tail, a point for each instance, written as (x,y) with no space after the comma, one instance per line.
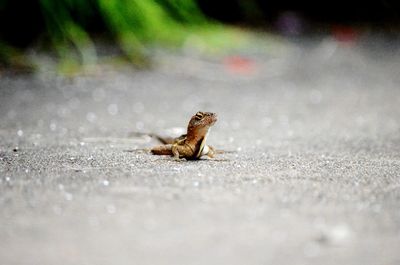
(162,150)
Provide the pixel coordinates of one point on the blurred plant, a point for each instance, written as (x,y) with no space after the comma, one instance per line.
(66,33)
(133,24)
(69,26)
(11,57)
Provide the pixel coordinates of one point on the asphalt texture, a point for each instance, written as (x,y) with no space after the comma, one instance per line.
(310,173)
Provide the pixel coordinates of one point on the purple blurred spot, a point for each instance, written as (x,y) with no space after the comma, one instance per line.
(289,23)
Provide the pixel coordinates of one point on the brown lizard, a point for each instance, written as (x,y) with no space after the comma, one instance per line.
(191,145)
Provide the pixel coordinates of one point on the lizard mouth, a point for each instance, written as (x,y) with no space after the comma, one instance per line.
(214,118)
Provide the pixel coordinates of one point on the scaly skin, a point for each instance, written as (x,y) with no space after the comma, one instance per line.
(191,145)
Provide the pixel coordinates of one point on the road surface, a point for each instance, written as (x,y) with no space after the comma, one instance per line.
(311,174)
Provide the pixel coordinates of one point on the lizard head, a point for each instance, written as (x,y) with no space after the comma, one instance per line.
(202,120)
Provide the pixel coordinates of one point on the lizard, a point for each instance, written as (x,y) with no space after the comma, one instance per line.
(191,145)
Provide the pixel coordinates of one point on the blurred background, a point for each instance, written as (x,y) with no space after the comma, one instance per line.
(76,31)
(307,96)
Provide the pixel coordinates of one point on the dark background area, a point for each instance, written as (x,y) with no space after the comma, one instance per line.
(377,12)
(21,26)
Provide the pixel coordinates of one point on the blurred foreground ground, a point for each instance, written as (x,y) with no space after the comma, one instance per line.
(313,176)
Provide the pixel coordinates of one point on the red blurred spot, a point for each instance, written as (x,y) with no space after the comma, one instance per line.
(239,65)
(344,34)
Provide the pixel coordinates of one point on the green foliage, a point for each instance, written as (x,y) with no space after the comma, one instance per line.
(12,58)
(132,23)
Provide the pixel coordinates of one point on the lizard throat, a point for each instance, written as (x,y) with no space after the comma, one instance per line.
(203,146)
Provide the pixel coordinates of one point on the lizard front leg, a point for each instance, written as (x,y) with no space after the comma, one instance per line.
(175,152)
(211,151)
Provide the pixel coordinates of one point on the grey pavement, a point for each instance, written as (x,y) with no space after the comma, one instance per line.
(310,176)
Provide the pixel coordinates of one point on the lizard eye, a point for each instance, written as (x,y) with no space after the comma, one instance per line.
(199,115)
